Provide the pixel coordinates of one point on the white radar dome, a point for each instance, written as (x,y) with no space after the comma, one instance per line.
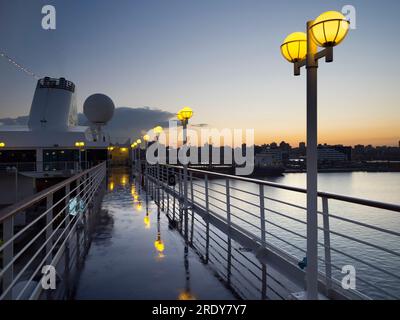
(99,108)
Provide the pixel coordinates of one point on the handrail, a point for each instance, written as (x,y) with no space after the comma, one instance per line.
(370,203)
(29,201)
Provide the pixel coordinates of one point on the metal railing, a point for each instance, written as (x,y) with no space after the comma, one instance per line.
(269,219)
(46,166)
(55,218)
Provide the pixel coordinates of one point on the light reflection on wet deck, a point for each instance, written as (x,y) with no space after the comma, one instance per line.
(135,255)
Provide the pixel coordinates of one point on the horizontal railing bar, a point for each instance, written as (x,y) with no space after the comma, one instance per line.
(287,230)
(20,232)
(364,224)
(364,262)
(370,203)
(43,246)
(366,243)
(285,241)
(247,268)
(284,215)
(72,229)
(244,277)
(245,201)
(245,191)
(29,201)
(32,241)
(286,203)
(370,284)
(252,262)
(244,211)
(247,222)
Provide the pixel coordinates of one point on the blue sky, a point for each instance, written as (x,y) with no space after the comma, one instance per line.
(220,57)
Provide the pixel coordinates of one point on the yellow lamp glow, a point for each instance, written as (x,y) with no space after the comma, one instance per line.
(179,116)
(133,145)
(159,245)
(124,180)
(146,137)
(110,148)
(146,221)
(294,47)
(138,141)
(185,113)
(79,144)
(124,149)
(158,130)
(2,145)
(329,29)
(186,295)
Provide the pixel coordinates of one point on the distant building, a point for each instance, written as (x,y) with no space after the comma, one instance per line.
(269,157)
(330,154)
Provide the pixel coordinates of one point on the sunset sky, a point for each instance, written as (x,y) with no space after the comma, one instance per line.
(222,58)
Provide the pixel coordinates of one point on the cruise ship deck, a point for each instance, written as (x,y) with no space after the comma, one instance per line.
(124,253)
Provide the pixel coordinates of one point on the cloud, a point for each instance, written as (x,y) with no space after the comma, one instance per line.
(126,123)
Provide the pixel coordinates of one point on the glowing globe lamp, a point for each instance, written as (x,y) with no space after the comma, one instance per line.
(158,130)
(185,113)
(294,47)
(329,29)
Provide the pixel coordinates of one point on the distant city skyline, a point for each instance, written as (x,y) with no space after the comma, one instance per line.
(222,58)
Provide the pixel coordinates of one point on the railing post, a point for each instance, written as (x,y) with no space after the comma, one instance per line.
(49,226)
(327,245)
(192,200)
(185,202)
(262,215)
(168,187)
(174,199)
(180,200)
(228,219)
(8,255)
(208,216)
(162,190)
(158,183)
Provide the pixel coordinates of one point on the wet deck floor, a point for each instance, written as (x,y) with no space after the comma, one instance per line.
(124,263)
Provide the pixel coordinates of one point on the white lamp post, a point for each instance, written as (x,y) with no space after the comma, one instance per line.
(184,115)
(327,31)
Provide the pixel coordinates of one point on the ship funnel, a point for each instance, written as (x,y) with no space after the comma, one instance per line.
(53,106)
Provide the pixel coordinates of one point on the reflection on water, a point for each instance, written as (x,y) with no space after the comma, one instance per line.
(136,254)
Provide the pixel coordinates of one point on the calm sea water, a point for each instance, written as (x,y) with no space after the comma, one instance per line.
(377,269)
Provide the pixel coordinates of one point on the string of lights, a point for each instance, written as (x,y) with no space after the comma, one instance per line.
(18,66)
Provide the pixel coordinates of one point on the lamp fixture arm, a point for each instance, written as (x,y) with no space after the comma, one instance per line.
(326,53)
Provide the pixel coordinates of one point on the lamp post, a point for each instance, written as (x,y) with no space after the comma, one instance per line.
(133,147)
(158,130)
(327,31)
(146,139)
(139,142)
(183,116)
